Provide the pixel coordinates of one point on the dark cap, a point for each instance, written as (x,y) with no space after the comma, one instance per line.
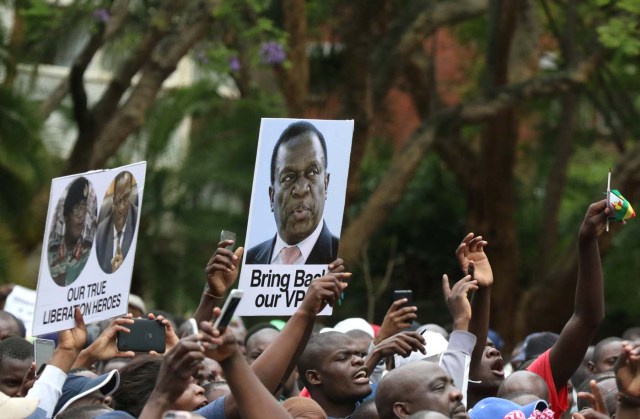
(78,386)
(78,191)
(535,344)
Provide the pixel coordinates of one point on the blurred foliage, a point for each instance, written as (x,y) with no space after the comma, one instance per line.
(190,197)
(186,207)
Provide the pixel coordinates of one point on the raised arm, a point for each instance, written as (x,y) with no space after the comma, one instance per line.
(48,387)
(568,352)
(473,261)
(221,271)
(456,359)
(254,401)
(279,359)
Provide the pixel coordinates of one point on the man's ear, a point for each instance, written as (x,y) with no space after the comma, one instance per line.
(400,410)
(326,184)
(271,194)
(313,377)
(591,367)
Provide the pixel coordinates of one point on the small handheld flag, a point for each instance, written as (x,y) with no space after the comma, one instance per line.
(622,209)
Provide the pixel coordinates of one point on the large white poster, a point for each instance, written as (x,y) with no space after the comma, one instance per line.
(89,247)
(296,212)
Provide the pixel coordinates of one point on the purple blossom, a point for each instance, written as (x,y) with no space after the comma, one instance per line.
(272,53)
(101,15)
(234,64)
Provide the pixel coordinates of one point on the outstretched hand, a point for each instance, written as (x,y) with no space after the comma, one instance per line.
(74,339)
(457,300)
(223,267)
(397,319)
(402,344)
(171,339)
(628,370)
(105,346)
(595,399)
(473,260)
(324,290)
(218,346)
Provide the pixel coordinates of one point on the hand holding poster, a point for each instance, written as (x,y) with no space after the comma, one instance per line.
(296,211)
(87,256)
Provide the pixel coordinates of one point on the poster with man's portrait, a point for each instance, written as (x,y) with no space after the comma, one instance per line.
(87,256)
(296,212)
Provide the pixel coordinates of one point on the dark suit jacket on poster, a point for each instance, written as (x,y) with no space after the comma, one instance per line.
(104,241)
(324,251)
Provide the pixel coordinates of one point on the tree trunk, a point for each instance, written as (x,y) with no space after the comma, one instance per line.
(296,80)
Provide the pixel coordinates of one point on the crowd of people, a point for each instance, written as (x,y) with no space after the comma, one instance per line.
(300,369)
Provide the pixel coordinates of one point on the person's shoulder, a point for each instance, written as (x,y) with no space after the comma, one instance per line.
(104,223)
(260,252)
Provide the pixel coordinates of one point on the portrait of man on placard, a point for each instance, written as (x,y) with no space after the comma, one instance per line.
(72,232)
(299,185)
(117,222)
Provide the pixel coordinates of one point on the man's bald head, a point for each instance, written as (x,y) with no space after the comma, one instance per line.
(259,341)
(10,325)
(415,387)
(524,382)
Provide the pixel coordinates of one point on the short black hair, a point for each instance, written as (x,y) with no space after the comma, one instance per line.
(137,381)
(317,348)
(16,348)
(294,130)
(5,315)
(597,351)
(78,191)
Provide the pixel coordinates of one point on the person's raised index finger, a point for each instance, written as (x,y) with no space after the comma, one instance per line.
(446,289)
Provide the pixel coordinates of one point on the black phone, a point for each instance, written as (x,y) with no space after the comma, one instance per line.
(145,335)
(228,309)
(400,294)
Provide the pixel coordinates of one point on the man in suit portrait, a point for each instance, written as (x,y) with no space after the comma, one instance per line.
(115,232)
(298,190)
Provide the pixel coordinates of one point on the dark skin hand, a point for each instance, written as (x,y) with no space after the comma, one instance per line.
(221,272)
(28,380)
(397,319)
(402,343)
(104,347)
(222,269)
(596,399)
(457,300)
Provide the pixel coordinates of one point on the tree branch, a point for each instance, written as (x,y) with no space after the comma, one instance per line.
(161,26)
(406,161)
(404,38)
(130,116)
(118,13)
